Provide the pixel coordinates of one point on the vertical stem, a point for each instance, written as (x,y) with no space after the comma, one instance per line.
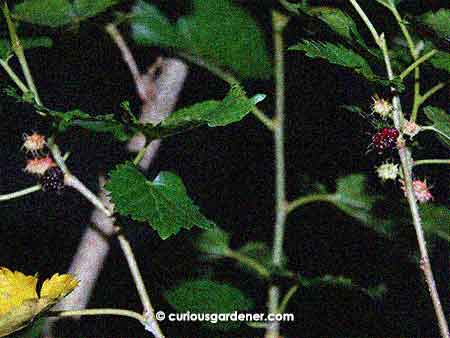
(407,163)
(149,312)
(18,50)
(278,23)
(415,55)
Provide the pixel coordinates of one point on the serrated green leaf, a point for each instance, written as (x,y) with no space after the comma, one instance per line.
(163,202)
(353,199)
(436,220)
(99,123)
(151,27)
(216,31)
(233,108)
(438,21)
(57,13)
(441,122)
(53,13)
(207,296)
(344,282)
(325,280)
(342,56)
(214,242)
(90,8)
(441,60)
(36,42)
(335,54)
(340,22)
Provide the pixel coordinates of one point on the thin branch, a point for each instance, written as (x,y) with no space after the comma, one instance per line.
(139,282)
(291,206)
(20,193)
(279,22)
(14,76)
(416,63)
(431,91)
(98,312)
(432,161)
(18,50)
(406,162)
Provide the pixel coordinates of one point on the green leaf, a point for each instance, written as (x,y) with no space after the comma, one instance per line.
(99,123)
(342,56)
(340,22)
(57,13)
(53,13)
(441,122)
(5,49)
(352,198)
(163,202)
(151,27)
(438,21)
(90,8)
(27,43)
(217,31)
(233,108)
(436,220)
(341,281)
(207,296)
(441,60)
(214,242)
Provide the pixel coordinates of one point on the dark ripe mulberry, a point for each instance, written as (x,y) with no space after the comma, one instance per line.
(385,139)
(53,180)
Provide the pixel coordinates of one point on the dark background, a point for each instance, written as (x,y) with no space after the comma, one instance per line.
(229,173)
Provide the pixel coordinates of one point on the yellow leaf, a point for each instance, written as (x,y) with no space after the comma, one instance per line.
(58,286)
(19,303)
(15,287)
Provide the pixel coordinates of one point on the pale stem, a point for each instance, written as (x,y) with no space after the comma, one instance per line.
(415,54)
(13,76)
(287,297)
(406,162)
(140,286)
(72,181)
(18,50)
(279,22)
(416,63)
(431,91)
(432,161)
(99,312)
(308,199)
(20,193)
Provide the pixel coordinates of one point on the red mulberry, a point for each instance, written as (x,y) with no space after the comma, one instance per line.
(385,139)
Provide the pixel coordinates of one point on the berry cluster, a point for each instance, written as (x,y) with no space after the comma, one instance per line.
(385,139)
(50,175)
